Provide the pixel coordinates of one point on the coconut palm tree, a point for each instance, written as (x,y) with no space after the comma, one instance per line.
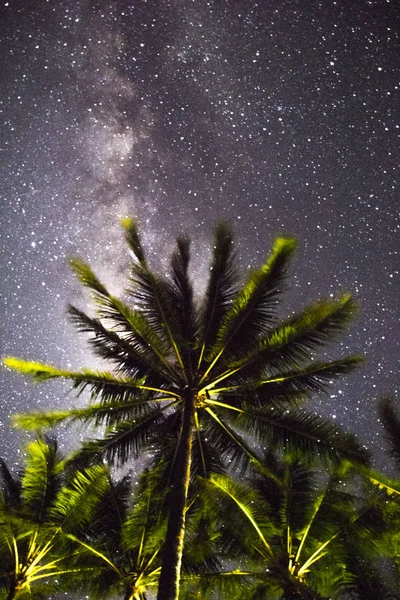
(40,509)
(301,535)
(121,545)
(204,377)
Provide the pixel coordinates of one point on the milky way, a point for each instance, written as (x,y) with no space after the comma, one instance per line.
(279,116)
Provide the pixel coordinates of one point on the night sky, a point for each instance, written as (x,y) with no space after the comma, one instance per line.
(280,116)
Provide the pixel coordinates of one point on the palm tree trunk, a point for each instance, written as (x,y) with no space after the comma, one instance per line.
(168,587)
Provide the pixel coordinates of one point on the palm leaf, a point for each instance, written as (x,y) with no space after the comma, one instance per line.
(226,442)
(88,278)
(105,385)
(133,238)
(298,493)
(182,297)
(248,502)
(206,457)
(391,422)
(10,488)
(133,355)
(123,441)
(152,294)
(222,286)
(293,341)
(296,430)
(77,501)
(41,478)
(96,414)
(254,310)
(144,526)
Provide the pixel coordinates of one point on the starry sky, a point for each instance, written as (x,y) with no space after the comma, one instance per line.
(281,116)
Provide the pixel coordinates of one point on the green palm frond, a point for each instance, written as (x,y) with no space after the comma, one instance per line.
(182,297)
(389,485)
(222,287)
(133,357)
(296,430)
(41,479)
(226,441)
(88,278)
(125,440)
(77,500)
(206,457)
(132,238)
(145,523)
(134,326)
(298,492)
(292,342)
(254,309)
(96,414)
(228,585)
(313,378)
(249,503)
(105,385)
(364,579)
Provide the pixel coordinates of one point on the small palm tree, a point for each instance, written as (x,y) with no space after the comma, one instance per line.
(122,544)
(201,377)
(39,512)
(300,535)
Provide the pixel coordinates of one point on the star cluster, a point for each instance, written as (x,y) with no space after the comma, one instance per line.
(279,116)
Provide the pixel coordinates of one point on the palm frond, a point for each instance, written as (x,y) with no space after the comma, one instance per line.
(133,355)
(226,441)
(10,488)
(222,286)
(206,458)
(104,385)
(289,389)
(294,384)
(126,440)
(78,500)
(389,485)
(254,309)
(143,336)
(132,238)
(297,430)
(88,278)
(182,297)
(248,502)
(151,293)
(298,492)
(228,585)
(144,527)
(96,414)
(41,478)
(294,341)
(391,422)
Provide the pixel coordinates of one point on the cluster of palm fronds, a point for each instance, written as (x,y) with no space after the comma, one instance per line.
(215,391)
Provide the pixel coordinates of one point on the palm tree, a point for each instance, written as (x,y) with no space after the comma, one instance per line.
(122,543)
(39,511)
(301,535)
(201,377)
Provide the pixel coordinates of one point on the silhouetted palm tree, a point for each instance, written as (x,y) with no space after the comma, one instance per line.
(202,377)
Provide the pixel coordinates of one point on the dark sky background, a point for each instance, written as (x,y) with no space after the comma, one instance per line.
(281,116)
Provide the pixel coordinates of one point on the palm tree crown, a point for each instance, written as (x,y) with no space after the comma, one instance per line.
(197,381)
